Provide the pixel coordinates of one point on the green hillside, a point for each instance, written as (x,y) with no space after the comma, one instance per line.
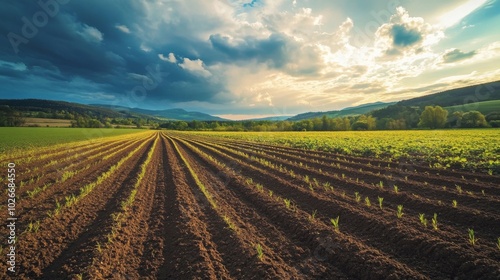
(485,107)
(346,112)
(458,96)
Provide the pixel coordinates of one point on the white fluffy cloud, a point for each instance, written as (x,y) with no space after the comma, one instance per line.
(123,28)
(195,66)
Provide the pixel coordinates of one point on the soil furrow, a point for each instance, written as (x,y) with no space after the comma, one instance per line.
(371,225)
(76,228)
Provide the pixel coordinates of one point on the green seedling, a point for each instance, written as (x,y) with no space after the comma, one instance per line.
(435,221)
(454,203)
(380,200)
(357,196)
(260,251)
(367,201)
(423,220)
(313,215)
(287,202)
(335,223)
(472,237)
(400,213)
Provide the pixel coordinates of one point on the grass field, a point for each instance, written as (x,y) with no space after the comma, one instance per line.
(484,107)
(47,122)
(27,137)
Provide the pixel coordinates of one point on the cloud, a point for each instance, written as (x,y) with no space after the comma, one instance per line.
(405,34)
(195,66)
(279,55)
(90,33)
(403,37)
(455,55)
(123,28)
(171,58)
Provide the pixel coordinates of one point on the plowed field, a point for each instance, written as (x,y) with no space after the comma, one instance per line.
(162,205)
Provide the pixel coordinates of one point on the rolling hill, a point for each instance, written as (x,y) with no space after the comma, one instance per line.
(170,114)
(349,111)
(103,111)
(459,96)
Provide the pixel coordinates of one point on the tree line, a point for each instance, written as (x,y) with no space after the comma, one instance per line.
(403,117)
(394,117)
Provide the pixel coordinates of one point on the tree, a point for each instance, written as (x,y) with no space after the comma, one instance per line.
(360,125)
(433,117)
(473,119)
(370,121)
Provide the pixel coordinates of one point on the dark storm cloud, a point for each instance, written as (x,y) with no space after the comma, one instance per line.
(271,50)
(457,55)
(82,41)
(403,36)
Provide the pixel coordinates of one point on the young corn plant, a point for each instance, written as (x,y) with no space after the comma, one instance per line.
(335,223)
(435,221)
(287,203)
(459,189)
(367,201)
(454,203)
(380,200)
(381,185)
(357,196)
(58,208)
(98,247)
(422,219)
(260,252)
(306,179)
(400,213)
(472,237)
(396,189)
(313,215)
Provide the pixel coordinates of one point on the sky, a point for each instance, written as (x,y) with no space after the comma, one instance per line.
(245,58)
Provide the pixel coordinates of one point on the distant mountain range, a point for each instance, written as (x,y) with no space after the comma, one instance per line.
(104,111)
(273,118)
(170,114)
(484,95)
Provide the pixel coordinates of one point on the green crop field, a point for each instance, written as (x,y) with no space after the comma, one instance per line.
(28,137)
(468,149)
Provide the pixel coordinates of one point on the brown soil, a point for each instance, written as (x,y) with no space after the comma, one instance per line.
(205,205)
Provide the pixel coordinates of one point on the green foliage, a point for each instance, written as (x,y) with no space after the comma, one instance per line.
(335,223)
(287,202)
(435,222)
(367,201)
(396,189)
(469,149)
(357,196)
(260,252)
(399,212)
(472,237)
(433,117)
(473,119)
(422,219)
(380,201)
(313,215)
(29,137)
